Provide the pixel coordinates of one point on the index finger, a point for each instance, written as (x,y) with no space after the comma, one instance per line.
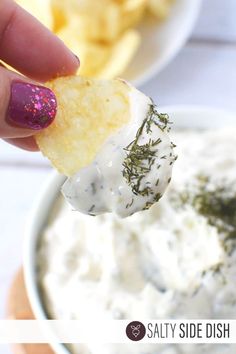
(31,48)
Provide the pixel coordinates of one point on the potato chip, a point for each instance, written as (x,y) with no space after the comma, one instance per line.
(86,51)
(63,13)
(102,20)
(41,9)
(93,29)
(121,55)
(159,8)
(132,13)
(95,20)
(89,111)
(99,32)
(111,59)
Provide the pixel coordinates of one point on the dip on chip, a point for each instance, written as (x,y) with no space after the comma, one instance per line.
(111,142)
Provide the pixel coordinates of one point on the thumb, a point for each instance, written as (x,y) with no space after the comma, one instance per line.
(25,107)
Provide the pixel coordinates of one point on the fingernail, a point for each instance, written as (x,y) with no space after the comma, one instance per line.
(31,106)
(77,58)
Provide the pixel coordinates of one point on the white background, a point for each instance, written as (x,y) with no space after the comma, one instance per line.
(203,73)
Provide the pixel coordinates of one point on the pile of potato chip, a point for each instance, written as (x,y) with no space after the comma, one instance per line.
(100,32)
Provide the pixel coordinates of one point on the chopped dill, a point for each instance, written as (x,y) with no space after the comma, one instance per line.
(217,203)
(93,187)
(140,158)
(91,209)
(130,204)
(155,200)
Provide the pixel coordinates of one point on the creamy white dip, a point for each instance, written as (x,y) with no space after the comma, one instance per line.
(133,168)
(170,261)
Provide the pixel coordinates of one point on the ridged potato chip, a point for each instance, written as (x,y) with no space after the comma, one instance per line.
(103,20)
(64,12)
(121,54)
(111,59)
(95,20)
(89,111)
(41,9)
(86,51)
(132,12)
(159,8)
(100,32)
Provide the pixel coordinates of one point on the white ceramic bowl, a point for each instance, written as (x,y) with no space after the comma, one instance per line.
(182,117)
(161,42)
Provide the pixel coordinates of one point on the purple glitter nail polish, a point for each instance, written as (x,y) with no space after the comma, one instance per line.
(31,106)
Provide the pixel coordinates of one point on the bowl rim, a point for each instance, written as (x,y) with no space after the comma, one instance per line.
(38,216)
(175,48)
(44,201)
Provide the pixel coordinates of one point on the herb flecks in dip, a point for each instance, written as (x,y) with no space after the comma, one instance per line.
(133,168)
(216,202)
(175,260)
(143,159)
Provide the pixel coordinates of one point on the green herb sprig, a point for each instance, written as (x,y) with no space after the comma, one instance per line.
(141,157)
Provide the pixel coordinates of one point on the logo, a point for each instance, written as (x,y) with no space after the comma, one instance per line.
(135,331)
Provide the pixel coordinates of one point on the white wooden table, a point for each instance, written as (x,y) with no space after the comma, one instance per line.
(203,73)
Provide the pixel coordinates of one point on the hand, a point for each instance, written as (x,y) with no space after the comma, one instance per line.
(26,45)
